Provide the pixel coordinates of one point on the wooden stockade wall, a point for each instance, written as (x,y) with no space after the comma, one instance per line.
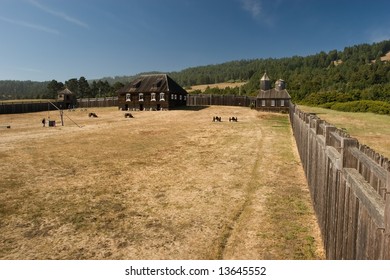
(224,100)
(97,102)
(350,189)
(19,107)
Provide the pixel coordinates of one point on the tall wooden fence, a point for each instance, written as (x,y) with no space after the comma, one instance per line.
(217,99)
(350,189)
(97,102)
(19,107)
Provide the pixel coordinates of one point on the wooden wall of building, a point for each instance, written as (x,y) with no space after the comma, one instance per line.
(350,189)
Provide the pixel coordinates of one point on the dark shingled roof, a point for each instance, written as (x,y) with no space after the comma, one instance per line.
(153,83)
(65,91)
(274,94)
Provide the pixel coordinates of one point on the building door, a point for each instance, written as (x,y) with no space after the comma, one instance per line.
(158,107)
(141,107)
(126,107)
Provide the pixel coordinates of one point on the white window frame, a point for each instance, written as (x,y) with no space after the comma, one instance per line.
(263,102)
(273,102)
(162,96)
(153,96)
(140,97)
(282,103)
(128,97)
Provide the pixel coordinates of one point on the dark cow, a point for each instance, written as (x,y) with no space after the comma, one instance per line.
(92,115)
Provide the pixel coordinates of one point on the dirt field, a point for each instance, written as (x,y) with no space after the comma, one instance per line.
(163,185)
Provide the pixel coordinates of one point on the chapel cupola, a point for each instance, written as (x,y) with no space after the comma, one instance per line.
(265,83)
(280,84)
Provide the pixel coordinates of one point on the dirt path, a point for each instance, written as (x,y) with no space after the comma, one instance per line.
(277,220)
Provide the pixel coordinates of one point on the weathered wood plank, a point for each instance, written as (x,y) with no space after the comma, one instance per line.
(350,189)
(367,195)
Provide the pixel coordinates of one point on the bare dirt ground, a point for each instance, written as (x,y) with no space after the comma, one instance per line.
(163,185)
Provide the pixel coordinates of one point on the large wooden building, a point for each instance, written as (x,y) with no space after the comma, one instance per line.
(272,99)
(152,92)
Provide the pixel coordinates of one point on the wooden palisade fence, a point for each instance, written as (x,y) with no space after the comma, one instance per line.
(350,188)
(97,102)
(19,107)
(218,99)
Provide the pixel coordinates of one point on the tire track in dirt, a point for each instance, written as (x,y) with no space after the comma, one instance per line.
(276,220)
(250,190)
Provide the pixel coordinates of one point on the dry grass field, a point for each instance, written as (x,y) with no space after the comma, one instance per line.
(370,129)
(163,185)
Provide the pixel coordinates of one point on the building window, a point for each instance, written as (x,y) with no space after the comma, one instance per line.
(263,103)
(162,96)
(185,97)
(282,103)
(273,103)
(141,97)
(153,96)
(128,97)
(180,97)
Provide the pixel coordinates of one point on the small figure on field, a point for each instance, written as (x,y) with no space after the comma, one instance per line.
(128,115)
(92,115)
(217,119)
(43,122)
(233,119)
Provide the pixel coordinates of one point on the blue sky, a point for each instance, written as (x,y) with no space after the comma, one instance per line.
(41,40)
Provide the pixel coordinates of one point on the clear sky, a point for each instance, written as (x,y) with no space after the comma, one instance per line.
(41,40)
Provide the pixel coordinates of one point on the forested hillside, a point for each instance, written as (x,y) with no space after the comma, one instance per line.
(359,72)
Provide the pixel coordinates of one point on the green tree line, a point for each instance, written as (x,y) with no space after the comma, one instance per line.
(84,89)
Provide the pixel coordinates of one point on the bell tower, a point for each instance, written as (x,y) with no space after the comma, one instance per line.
(280,84)
(265,83)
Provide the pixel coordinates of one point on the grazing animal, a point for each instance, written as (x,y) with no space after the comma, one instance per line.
(92,115)
(233,119)
(129,115)
(217,119)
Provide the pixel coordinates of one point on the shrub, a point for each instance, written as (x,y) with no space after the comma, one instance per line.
(377,107)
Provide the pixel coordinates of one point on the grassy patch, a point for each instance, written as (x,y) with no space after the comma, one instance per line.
(370,129)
